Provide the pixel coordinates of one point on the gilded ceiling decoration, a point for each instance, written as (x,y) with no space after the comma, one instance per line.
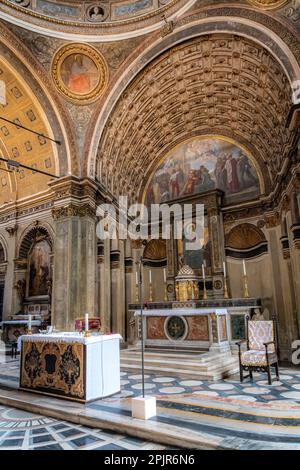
(217,84)
(20,145)
(80,73)
(269,4)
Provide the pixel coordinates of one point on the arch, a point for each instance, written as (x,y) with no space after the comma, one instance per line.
(252,24)
(245,241)
(23,64)
(2,253)
(216,84)
(31,235)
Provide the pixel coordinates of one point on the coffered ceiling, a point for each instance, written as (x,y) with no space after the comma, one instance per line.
(217,84)
(19,105)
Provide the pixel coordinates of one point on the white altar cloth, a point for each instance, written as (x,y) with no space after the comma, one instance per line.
(101,363)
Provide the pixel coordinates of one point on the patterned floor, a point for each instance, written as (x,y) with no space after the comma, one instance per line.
(20,430)
(286,390)
(249,415)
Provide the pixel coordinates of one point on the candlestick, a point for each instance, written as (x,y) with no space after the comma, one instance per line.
(136,279)
(166,293)
(29,332)
(204,291)
(226,294)
(150,276)
(86,325)
(165,275)
(244,268)
(246,290)
(224,269)
(150,292)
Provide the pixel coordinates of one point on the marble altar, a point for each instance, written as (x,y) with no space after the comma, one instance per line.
(212,325)
(70,365)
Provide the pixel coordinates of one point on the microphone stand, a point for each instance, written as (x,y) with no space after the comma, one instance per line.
(142,323)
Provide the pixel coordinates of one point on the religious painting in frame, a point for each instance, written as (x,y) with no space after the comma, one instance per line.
(202,164)
(39,269)
(196,257)
(80,73)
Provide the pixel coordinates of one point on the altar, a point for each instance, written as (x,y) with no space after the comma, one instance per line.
(70,365)
(211,325)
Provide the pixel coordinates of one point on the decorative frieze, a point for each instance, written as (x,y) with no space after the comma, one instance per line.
(73,210)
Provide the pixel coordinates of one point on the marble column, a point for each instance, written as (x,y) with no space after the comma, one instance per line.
(75,256)
(11,303)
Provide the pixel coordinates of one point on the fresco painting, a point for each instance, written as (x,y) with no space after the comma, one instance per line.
(79,74)
(201,165)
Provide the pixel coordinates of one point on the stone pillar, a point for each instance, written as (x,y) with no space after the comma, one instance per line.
(8,273)
(216,235)
(74,281)
(118,287)
(295,249)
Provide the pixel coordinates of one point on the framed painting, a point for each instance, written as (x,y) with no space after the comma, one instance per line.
(80,72)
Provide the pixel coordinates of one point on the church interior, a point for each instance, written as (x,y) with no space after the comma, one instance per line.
(163,102)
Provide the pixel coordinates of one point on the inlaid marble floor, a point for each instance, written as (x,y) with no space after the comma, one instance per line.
(249,415)
(20,430)
(286,391)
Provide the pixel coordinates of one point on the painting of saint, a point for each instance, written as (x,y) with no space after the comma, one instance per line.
(201,165)
(39,269)
(79,74)
(196,257)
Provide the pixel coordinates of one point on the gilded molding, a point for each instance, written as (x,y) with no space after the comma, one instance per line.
(73,210)
(79,89)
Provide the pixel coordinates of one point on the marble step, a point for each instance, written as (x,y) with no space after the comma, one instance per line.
(206,366)
(179,365)
(216,374)
(204,357)
(179,362)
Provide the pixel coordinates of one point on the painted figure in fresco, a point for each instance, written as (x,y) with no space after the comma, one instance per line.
(79,80)
(232,176)
(246,178)
(174,184)
(202,165)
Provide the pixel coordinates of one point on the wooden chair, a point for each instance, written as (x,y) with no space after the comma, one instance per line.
(261,352)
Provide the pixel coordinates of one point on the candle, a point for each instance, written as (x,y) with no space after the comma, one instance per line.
(224,269)
(29,322)
(165,275)
(86,322)
(150,276)
(203,271)
(136,278)
(244,267)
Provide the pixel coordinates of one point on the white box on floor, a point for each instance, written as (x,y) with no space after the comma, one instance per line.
(143,408)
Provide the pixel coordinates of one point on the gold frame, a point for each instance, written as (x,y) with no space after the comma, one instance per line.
(268,4)
(99,61)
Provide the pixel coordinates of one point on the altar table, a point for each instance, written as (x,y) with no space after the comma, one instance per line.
(69,365)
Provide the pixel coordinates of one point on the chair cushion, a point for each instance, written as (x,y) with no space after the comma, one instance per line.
(257,358)
(261,332)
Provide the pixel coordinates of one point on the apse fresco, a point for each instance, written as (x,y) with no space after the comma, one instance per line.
(201,165)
